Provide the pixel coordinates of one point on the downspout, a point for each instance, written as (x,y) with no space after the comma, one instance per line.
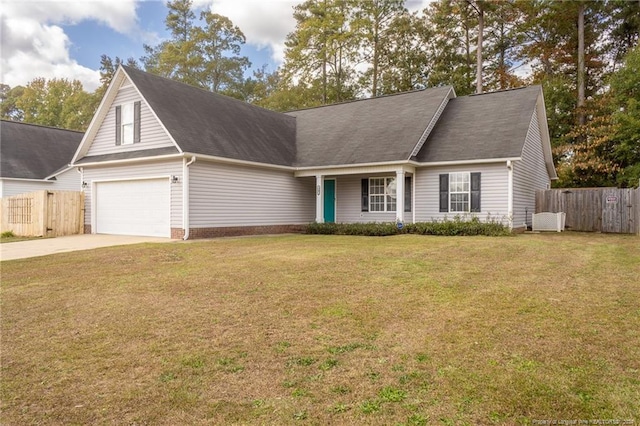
(185,195)
(510,193)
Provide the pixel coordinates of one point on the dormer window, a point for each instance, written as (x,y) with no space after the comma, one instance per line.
(128,123)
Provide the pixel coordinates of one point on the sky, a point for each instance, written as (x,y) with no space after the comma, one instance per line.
(65,39)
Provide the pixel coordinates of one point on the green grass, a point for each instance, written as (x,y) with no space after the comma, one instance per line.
(325,330)
(9,237)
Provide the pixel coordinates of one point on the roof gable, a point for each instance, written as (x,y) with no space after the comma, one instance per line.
(30,151)
(479,127)
(373,130)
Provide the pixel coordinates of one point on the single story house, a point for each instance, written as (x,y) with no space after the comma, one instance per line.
(166,159)
(34,158)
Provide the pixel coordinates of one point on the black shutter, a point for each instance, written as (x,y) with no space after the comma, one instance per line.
(444,192)
(364,203)
(475,192)
(118,126)
(136,122)
(407,193)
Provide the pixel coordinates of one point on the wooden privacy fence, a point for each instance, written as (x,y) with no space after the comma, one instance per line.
(615,210)
(43,213)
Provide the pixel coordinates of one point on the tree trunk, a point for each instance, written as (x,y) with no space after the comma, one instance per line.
(374,84)
(479,50)
(581,72)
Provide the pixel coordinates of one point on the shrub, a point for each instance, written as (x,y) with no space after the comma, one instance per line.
(7,234)
(457,226)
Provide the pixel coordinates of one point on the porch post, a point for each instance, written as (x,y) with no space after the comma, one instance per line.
(400,195)
(319,199)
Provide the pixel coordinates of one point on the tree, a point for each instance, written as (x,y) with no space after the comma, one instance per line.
(57,102)
(404,64)
(502,40)
(108,67)
(605,150)
(203,53)
(218,45)
(321,51)
(8,98)
(625,94)
(450,47)
(373,23)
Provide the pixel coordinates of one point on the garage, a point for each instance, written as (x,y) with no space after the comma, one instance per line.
(133,207)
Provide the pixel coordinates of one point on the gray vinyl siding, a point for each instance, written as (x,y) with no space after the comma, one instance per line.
(138,171)
(67,181)
(348,201)
(152,135)
(493,191)
(529,174)
(15,187)
(223,195)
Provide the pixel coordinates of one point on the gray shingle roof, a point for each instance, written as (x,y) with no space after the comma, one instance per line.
(206,123)
(478,127)
(365,131)
(29,151)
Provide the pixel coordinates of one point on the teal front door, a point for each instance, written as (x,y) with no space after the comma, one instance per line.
(330,201)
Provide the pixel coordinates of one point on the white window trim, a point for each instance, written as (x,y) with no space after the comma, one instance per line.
(386,194)
(468,192)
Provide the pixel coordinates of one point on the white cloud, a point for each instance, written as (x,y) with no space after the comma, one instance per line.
(34,46)
(264,23)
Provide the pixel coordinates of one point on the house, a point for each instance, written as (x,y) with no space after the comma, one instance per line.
(166,159)
(34,158)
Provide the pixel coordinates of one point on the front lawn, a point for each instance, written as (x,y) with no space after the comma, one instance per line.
(326,330)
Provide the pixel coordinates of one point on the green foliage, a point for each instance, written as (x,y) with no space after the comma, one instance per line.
(203,53)
(56,102)
(391,394)
(370,406)
(447,227)
(7,234)
(605,151)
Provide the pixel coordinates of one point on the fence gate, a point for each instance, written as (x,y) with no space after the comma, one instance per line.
(615,210)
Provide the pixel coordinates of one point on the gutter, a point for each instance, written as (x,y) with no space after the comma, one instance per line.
(185,195)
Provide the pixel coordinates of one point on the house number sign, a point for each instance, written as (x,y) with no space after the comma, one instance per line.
(611,199)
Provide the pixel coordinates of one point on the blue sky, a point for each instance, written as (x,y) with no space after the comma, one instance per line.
(65,38)
(90,37)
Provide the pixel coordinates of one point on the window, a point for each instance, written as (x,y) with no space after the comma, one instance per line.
(128,123)
(459,186)
(460,192)
(382,194)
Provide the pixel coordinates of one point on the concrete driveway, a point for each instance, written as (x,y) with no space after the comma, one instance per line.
(46,246)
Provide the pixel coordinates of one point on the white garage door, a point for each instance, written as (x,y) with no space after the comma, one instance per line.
(133,207)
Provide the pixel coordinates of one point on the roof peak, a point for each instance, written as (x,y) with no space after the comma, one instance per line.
(511,89)
(408,92)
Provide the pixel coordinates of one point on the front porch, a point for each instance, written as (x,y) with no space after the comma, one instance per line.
(364,194)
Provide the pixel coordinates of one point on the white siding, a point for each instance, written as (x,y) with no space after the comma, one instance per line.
(229,195)
(493,191)
(138,171)
(529,174)
(67,181)
(152,135)
(348,201)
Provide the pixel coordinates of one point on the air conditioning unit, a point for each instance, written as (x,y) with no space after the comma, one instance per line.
(549,221)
